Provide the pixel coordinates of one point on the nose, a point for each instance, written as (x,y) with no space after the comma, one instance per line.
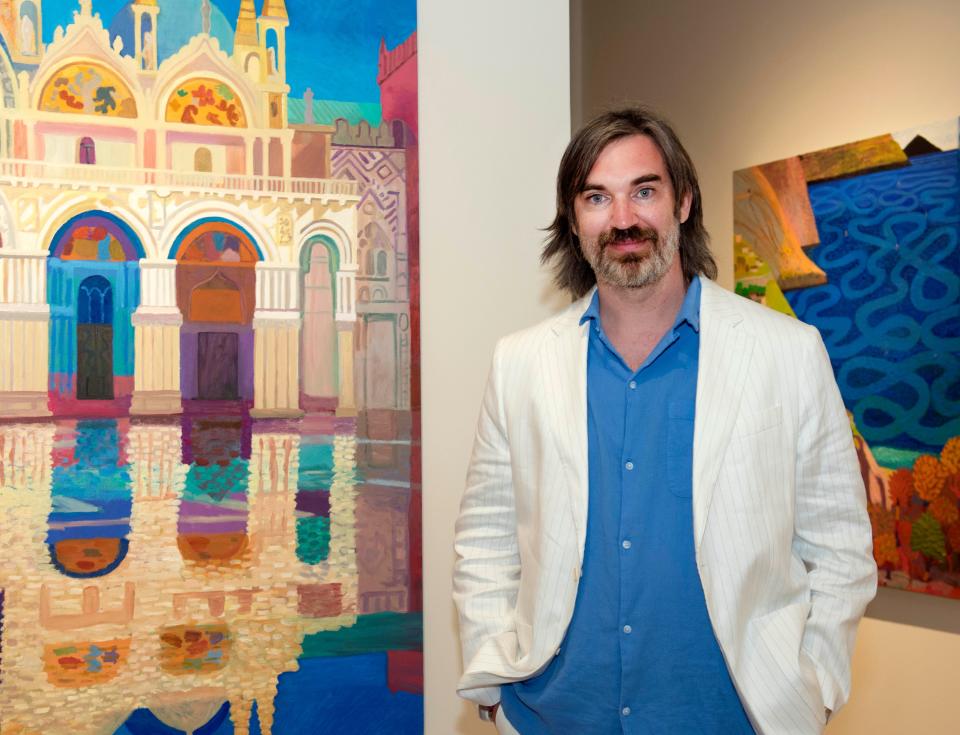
(623,214)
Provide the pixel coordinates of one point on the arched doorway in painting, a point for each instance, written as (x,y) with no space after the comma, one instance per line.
(95,339)
(216,287)
(93,288)
(318,339)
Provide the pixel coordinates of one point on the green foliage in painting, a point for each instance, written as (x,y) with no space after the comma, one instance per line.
(313,539)
(927,538)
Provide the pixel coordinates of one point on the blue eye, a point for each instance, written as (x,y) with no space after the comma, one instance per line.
(597,198)
(644,193)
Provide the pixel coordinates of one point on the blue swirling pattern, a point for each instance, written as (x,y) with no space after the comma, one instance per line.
(890,312)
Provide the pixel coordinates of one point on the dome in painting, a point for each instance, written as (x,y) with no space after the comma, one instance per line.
(190,715)
(177,22)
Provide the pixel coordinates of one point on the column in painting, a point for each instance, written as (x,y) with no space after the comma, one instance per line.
(156,325)
(274,472)
(26,462)
(346,320)
(343,521)
(154,562)
(276,346)
(24,334)
(157,477)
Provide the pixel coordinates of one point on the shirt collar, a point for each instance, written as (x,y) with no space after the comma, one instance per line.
(689,309)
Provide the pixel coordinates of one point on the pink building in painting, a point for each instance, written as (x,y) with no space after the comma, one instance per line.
(398,82)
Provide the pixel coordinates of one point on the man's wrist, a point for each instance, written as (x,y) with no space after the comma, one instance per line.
(488,712)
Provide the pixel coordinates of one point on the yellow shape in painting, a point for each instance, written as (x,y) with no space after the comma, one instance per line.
(760,218)
(204,101)
(775,299)
(754,279)
(746,262)
(853,158)
(194,649)
(88,89)
(84,664)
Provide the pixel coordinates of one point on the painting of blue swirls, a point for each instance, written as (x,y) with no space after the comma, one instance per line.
(863,242)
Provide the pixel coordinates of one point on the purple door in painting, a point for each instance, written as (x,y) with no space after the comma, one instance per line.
(217,360)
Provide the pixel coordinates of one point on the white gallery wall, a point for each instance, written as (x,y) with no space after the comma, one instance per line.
(751,81)
(494,119)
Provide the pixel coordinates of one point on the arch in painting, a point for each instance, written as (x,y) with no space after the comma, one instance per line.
(207,101)
(88,87)
(88,526)
(319,263)
(92,254)
(212,519)
(201,716)
(216,292)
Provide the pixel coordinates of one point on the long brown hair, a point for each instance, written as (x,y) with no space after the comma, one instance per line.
(572,272)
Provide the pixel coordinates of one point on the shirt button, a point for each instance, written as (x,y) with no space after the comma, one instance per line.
(629,465)
(625,711)
(627,629)
(626,543)
(557,653)
(633,385)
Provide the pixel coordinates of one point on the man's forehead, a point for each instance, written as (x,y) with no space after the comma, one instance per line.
(637,156)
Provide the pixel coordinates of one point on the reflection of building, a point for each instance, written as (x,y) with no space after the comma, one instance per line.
(165,234)
(82,649)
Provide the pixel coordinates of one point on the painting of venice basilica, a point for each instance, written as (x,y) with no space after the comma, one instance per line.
(209,439)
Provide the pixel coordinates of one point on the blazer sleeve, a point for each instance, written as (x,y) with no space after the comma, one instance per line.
(487,568)
(832,534)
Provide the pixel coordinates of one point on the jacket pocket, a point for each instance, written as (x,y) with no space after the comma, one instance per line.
(780,661)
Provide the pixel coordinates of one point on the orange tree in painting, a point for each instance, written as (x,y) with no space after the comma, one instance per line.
(919,534)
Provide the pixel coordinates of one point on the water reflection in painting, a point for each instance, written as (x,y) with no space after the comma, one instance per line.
(207,574)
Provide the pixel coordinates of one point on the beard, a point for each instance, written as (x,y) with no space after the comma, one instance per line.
(634,270)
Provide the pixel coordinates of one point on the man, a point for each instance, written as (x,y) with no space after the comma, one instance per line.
(664,528)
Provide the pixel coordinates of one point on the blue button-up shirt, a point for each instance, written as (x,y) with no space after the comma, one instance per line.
(639,655)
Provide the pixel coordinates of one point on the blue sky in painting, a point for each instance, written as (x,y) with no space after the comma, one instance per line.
(332,45)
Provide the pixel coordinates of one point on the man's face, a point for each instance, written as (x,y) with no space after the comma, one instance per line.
(625,216)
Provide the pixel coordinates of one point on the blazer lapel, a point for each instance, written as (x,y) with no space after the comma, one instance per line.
(725,351)
(563,364)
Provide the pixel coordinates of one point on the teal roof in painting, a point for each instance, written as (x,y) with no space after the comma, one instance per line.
(325,112)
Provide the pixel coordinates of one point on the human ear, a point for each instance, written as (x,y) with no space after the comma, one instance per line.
(685,205)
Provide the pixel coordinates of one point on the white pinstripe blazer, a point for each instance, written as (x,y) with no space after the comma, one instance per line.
(783,541)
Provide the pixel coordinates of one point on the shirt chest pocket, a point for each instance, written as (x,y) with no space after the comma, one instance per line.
(679,452)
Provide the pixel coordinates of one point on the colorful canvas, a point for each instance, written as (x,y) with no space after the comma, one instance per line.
(209,368)
(863,242)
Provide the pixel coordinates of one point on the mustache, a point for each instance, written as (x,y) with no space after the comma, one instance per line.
(615,235)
